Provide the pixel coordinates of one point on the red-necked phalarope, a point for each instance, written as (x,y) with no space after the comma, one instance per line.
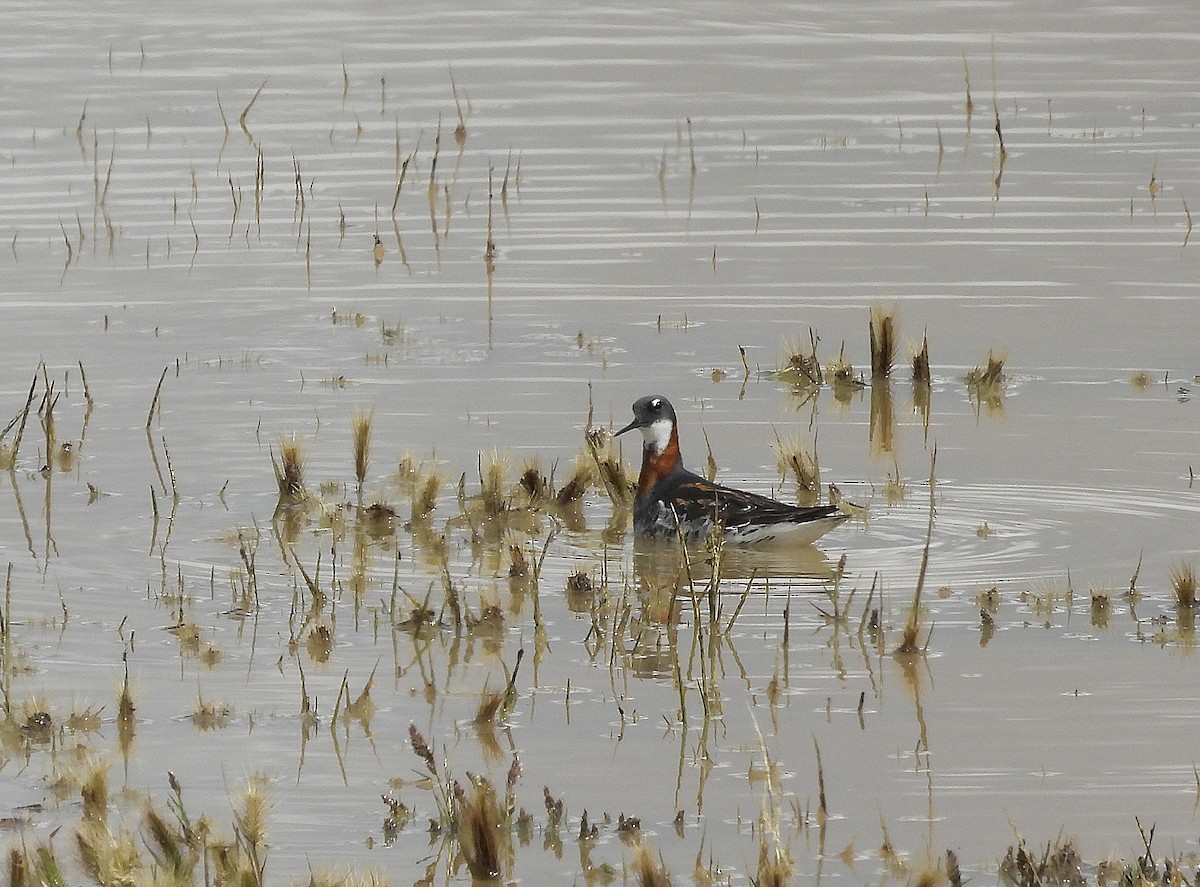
(671,499)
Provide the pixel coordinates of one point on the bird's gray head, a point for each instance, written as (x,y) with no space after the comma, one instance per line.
(655,416)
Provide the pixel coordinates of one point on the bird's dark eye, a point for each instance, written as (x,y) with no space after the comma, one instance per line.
(655,404)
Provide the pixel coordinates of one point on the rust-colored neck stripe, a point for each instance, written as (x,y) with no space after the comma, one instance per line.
(656,466)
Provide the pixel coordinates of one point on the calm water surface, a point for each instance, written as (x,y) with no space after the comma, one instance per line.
(202,192)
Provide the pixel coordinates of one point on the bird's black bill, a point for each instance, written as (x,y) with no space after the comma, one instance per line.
(632,425)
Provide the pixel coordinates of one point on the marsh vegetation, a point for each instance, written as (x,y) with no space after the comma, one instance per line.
(315,536)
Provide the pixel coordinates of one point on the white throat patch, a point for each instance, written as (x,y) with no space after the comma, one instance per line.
(657,434)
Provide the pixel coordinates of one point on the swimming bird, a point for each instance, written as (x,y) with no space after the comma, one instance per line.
(670,499)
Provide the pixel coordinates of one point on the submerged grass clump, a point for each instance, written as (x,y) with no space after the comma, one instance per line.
(799,365)
(795,459)
(175,847)
(532,484)
(986,384)
(476,818)
(1060,864)
(990,375)
(493,471)
(426,487)
(482,829)
(882,325)
(607,458)
(582,476)
(840,374)
(1183,584)
(1101,607)
(649,869)
(289,469)
(378,519)
(920,364)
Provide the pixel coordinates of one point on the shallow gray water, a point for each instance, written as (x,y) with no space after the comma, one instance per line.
(835,167)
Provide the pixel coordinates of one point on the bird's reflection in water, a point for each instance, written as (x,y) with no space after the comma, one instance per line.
(665,582)
(659,564)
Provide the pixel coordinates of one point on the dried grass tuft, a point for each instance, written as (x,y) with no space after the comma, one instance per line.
(649,869)
(985,385)
(1183,584)
(795,459)
(482,829)
(920,364)
(361,426)
(289,469)
(609,466)
(799,365)
(883,340)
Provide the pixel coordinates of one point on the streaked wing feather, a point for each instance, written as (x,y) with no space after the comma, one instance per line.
(696,498)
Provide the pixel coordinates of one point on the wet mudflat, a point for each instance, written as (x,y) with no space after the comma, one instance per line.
(228,236)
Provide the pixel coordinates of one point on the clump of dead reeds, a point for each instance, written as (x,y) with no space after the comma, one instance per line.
(1059,864)
(582,476)
(319,643)
(922,383)
(608,463)
(378,519)
(798,365)
(168,845)
(475,817)
(519,566)
(794,458)
(490,703)
(1140,380)
(1101,607)
(407,469)
(579,582)
(172,847)
(532,484)
(361,426)
(985,385)
(953,872)
(209,715)
(920,363)
(493,469)
(882,326)
(94,793)
(895,490)
(580,592)
(649,869)
(840,374)
(289,468)
(481,829)
(348,877)
(1183,584)
(427,485)
(105,857)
